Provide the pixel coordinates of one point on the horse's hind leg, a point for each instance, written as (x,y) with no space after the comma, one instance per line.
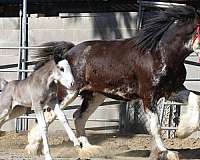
(90,103)
(16,112)
(3,118)
(5,108)
(43,129)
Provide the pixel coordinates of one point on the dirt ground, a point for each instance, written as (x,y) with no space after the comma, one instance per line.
(118,147)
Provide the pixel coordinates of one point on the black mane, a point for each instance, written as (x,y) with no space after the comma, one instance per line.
(151,33)
(52,51)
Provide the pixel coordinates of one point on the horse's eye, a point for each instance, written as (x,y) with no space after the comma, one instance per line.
(62,69)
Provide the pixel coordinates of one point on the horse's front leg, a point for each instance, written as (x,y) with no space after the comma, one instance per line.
(90,103)
(34,138)
(61,116)
(43,129)
(154,127)
(189,119)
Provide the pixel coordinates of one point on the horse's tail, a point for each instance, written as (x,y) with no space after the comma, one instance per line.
(52,50)
(3,83)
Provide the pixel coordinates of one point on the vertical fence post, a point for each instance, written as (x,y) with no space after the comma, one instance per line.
(22,124)
(20,42)
(24,38)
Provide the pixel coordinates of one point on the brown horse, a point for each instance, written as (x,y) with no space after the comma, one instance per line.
(147,67)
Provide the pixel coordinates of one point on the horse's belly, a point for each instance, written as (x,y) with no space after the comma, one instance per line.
(124,92)
(121,93)
(124,97)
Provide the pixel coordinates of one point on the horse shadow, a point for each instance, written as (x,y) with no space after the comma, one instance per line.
(189,153)
(183,153)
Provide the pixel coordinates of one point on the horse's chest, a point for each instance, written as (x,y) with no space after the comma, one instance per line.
(158,75)
(171,80)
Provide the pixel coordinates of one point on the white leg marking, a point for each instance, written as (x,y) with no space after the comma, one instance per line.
(65,77)
(84,141)
(87,149)
(155,129)
(63,120)
(189,120)
(43,129)
(35,146)
(34,138)
(34,141)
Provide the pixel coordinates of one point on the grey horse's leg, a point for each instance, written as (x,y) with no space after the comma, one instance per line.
(16,112)
(62,118)
(71,96)
(3,83)
(35,139)
(43,129)
(5,105)
(90,103)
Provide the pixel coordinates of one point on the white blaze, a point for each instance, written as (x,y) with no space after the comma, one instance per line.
(65,77)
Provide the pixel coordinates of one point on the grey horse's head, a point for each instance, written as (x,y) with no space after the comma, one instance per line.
(63,74)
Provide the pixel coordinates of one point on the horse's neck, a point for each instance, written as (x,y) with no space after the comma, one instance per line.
(43,75)
(173,49)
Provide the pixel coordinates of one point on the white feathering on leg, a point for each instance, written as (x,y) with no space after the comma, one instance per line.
(189,120)
(35,146)
(88,150)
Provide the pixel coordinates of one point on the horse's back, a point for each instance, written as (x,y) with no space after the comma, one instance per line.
(105,65)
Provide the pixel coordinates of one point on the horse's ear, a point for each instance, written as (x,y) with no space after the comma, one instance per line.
(57,59)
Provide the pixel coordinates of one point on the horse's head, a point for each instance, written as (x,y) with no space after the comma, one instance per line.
(192,30)
(185,27)
(63,74)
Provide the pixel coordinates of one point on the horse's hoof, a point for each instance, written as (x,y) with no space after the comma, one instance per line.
(90,151)
(77,147)
(183,132)
(164,155)
(172,155)
(154,155)
(168,155)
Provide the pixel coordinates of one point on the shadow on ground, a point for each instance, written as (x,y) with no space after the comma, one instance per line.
(183,153)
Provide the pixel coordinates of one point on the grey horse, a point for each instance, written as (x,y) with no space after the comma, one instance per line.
(38,90)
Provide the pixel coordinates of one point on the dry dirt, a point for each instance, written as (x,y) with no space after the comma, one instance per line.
(118,147)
